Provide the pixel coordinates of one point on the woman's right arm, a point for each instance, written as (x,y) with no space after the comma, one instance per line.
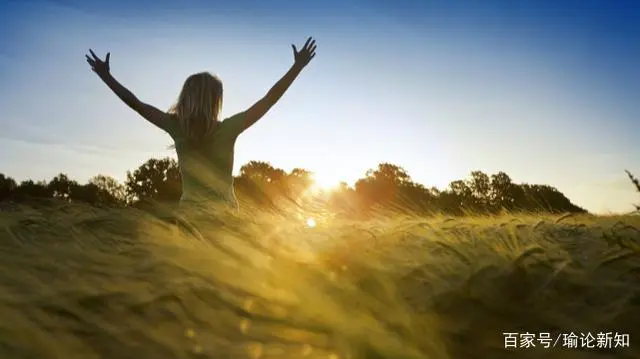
(150,113)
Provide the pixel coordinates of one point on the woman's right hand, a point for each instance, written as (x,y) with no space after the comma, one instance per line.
(98,66)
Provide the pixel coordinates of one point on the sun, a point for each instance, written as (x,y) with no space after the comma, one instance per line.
(325,182)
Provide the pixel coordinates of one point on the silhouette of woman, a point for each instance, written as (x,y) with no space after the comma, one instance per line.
(204,145)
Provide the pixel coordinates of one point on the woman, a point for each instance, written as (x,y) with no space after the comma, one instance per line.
(204,145)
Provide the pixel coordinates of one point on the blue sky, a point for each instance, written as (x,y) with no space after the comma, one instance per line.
(546,92)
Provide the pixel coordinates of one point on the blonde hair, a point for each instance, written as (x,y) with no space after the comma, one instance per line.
(198,105)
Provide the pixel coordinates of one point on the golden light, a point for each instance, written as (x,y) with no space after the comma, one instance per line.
(311,223)
(324,182)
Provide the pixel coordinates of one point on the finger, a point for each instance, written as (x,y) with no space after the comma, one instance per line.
(94,55)
(90,61)
(312,49)
(107,58)
(311,44)
(312,56)
(295,51)
(307,43)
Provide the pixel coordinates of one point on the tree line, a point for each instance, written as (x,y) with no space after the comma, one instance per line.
(261,185)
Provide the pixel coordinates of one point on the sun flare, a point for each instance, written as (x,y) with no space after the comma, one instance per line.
(325,183)
(311,223)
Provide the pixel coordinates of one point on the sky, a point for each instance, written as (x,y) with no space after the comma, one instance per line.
(545,91)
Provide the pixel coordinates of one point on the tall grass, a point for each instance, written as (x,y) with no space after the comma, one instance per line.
(80,282)
(636,183)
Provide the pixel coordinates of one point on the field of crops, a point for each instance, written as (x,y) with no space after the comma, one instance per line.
(82,282)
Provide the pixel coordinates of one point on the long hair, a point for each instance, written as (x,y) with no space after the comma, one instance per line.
(198,106)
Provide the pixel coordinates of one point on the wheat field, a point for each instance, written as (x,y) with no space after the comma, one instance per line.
(84,282)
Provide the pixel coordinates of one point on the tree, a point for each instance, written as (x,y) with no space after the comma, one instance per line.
(380,186)
(504,194)
(416,198)
(344,199)
(262,172)
(544,198)
(261,183)
(88,193)
(460,194)
(156,180)
(480,186)
(299,180)
(108,190)
(295,186)
(30,188)
(61,186)
(387,172)
(7,187)
(391,186)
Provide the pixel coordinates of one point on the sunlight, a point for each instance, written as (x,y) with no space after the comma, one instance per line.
(324,182)
(311,223)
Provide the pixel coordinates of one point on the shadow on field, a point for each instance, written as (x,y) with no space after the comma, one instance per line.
(78,281)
